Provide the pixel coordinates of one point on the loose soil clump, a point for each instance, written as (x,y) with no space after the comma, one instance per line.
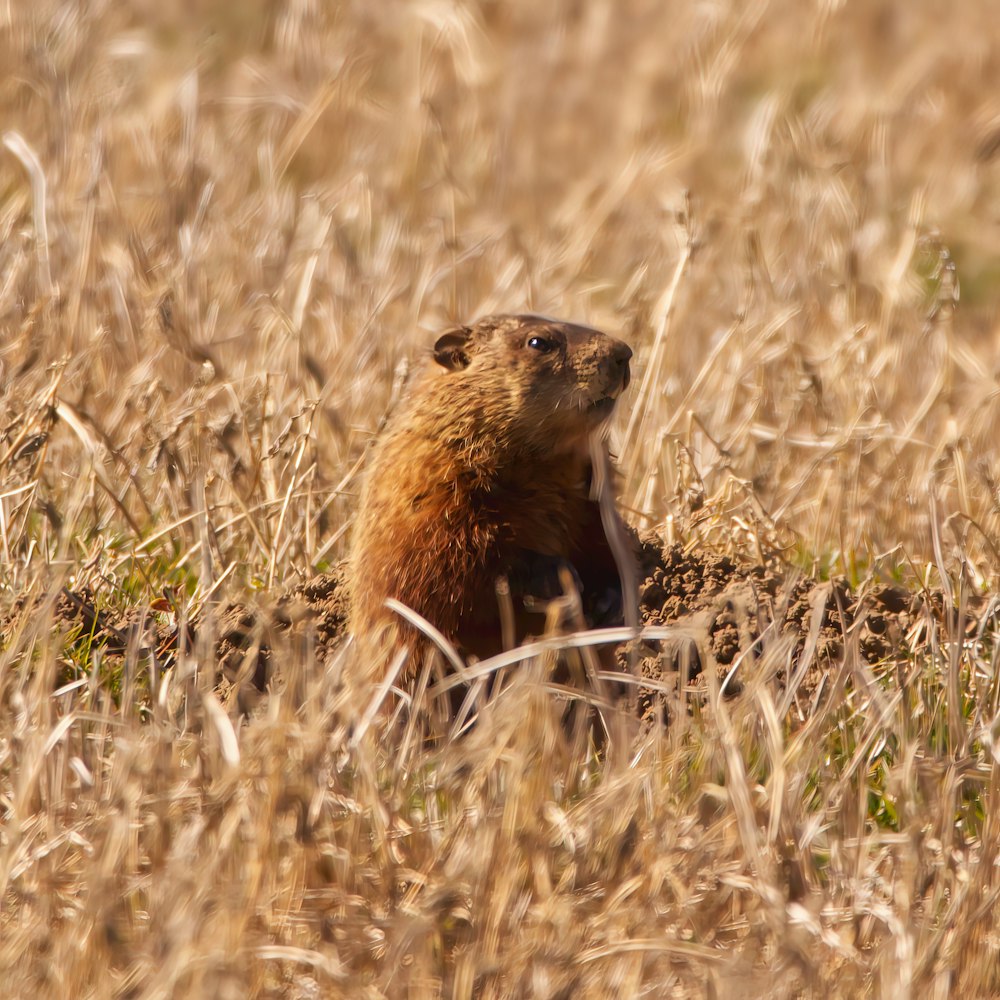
(728,616)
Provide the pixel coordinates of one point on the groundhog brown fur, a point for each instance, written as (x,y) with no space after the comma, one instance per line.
(483,472)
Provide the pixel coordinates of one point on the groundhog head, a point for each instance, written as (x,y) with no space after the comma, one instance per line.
(555,376)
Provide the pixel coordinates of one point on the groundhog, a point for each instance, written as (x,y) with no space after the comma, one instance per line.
(484,473)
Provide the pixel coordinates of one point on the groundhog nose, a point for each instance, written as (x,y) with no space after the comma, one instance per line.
(621,354)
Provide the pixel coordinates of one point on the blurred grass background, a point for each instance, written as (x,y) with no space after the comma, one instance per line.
(776,203)
(223,229)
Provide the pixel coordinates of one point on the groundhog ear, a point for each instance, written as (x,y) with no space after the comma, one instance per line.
(451,350)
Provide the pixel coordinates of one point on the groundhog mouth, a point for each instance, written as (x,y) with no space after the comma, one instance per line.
(601,408)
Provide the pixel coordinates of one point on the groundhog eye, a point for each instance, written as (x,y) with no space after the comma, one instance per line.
(541,344)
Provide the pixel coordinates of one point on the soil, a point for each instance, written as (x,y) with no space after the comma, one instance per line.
(732,618)
(243,635)
(728,620)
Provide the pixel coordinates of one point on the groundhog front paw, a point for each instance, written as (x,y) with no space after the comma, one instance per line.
(537,578)
(604,609)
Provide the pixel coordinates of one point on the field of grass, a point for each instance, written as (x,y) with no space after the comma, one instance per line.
(226,229)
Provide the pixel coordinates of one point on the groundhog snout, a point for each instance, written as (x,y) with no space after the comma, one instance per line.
(613,373)
(621,354)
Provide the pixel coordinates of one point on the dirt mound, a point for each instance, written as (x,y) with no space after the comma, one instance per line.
(726,613)
(243,635)
(86,623)
(723,615)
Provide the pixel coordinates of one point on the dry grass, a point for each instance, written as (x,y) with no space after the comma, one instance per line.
(222,228)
